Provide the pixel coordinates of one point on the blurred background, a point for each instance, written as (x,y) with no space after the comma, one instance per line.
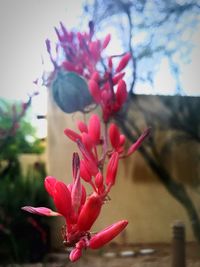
(161,182)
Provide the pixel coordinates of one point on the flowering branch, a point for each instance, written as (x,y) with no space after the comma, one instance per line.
(100,148)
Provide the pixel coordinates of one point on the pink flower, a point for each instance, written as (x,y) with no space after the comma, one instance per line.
(80,212)
(81,51)
(123,62)
(109,92)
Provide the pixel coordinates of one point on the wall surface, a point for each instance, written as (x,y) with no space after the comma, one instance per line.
(137,196)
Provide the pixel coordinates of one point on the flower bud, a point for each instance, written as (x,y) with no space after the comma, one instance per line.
(62,199)
(95,91)
(114,135)
(84,172)
(95,76)
(87,141)
(138,143)
(40,211)
(121,93)
(112,169)
(122,139)
(94,128)
(123,62)
(75,254)
(106,235)
(89,212)
(99,180)
(72,135)
(117,77)
(82,127)
(106,41)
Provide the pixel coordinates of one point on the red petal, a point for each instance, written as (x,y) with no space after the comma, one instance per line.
(90,162)
(117,77)
(75,254)
(89,212)
(106,41)
(82,127)
(49,184)
(122,140)
(41,211)
(121,94)
(138,143)
(87,141)
(94,128)
(94,48)
(99,180)
(68,66)
(106,235)
(114,135)
(72,135)
(83,197)
(112,169)
(95,91)
(95,76)
(62,199)
(123,62)
(84,172)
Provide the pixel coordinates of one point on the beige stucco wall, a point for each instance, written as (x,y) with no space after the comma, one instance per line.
(28,160)
(137,196)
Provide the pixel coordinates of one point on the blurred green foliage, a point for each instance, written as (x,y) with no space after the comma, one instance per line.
(17,135)
(23,237)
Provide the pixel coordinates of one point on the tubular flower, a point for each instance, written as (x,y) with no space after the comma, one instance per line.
(110,91)
(80,212)
(90,138)
(81,51)
(101,149)
(117,141)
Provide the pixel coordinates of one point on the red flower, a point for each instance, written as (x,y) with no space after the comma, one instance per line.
(109,100)
(80,212)
(117,141)
(81,52)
